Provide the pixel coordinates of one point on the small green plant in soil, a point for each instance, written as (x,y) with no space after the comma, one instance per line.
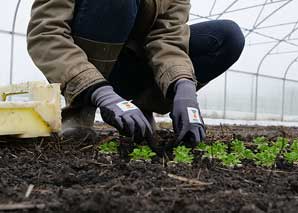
(110,147)
(230,155)
(230,160)
(268,154)
(294,146)
(183,155)
(217,150)
(261,143)
(240,151)
(201,147)
(292,155)
(281,144)
(265,158)
(142,153)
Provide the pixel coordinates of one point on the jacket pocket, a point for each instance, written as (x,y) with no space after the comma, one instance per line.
(102,55)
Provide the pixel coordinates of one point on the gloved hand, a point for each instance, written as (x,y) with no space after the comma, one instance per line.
(122,114)
(187,120)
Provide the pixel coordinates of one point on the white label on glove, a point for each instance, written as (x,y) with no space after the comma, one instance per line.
(126,106)
(193,115)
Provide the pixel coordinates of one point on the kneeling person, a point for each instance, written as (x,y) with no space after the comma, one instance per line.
(130,58)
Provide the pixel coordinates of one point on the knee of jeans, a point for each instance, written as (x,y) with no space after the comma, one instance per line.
(233,36)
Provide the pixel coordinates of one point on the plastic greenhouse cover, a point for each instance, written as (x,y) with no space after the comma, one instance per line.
(270,57)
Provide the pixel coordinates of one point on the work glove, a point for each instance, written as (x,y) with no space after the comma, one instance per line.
(187,120)
(121,114)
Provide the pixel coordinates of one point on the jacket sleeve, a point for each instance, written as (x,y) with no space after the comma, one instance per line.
(53,50)
(167,45)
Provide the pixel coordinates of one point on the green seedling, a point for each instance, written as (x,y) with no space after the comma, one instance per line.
(292,156)
(201,147)
(294,146)
(281,144)
(183,155)
(238,146)
(230,160)
(260,140)
(261,143)
(217,150)
(239,150)
(266,158)
(268,155)
(142,153)
(109,147)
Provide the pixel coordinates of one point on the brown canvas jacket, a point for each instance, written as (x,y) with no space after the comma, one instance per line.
(78,63)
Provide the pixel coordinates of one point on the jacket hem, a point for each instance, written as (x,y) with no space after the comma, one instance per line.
(173,74)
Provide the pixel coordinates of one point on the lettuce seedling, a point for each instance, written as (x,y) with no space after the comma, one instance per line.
(109,147)
(281,144)
(261,142)
(230,160)
(294,146)
(217,150)
(268,154)
(142,153)
(183,155)
(201,147)
(239,149)
(266,158)
(238,146)
(292,156)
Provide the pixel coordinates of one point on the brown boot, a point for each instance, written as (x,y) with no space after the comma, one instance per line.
(77,123)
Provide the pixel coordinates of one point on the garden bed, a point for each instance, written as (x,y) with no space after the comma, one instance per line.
(73,176)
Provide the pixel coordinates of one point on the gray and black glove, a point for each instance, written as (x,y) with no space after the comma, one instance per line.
(187,120)
(121,114)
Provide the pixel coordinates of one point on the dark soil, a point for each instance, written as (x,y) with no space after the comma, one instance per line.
(71,176)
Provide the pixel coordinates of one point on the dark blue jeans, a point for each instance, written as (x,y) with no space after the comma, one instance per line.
(214,45)
(109,21)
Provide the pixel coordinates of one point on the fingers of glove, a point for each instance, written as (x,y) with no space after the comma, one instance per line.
(107,116)
(110,118)
(181,135)
(140,128)
(128,125)
(202,133)
(118,123)
(149,130)
(149,134)
(177,123)
(193,137)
